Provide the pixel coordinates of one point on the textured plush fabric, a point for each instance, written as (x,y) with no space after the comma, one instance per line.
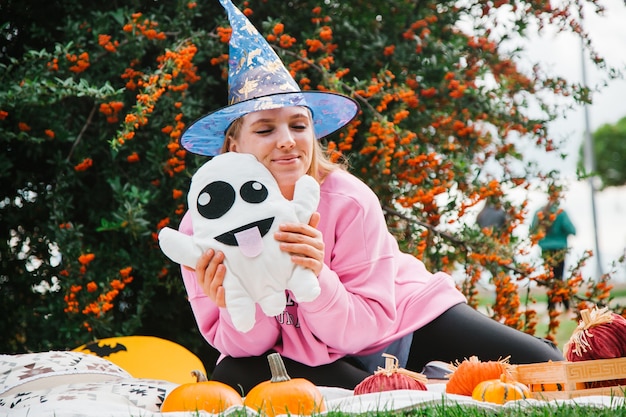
(236,207)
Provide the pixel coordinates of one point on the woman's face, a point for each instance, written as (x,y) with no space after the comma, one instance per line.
(282,140)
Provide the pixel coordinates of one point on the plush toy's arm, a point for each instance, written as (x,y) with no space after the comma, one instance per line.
(306,197)
(179,247)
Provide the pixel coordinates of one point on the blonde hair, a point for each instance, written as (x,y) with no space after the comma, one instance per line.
(321,165)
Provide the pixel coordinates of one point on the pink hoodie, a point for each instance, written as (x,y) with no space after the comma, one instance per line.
(372,293)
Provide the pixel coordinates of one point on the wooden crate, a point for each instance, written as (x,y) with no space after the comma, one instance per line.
(564,380)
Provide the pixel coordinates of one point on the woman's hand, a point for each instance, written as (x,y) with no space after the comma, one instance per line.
(210,271)
(303,242)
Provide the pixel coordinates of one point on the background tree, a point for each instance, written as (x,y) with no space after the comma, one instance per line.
(609,146)
(94,97)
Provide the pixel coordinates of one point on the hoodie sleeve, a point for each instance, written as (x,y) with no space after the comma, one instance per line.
(357,305)
(215,325)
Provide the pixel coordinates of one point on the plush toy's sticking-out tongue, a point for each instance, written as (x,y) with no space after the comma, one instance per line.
(250,242)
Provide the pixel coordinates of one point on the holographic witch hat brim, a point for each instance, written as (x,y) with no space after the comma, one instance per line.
(258,80)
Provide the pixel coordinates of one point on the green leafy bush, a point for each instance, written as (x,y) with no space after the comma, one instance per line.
(94,96)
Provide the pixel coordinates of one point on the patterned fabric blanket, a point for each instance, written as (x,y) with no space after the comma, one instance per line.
(74,384)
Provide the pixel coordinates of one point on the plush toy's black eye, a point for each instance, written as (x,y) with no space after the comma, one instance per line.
(253,192)
(215,199)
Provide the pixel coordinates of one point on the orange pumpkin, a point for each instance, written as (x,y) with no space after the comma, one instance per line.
(211,396)
(469,373)
(283,395)
(500,390)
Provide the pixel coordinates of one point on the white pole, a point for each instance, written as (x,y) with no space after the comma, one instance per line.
(590,165)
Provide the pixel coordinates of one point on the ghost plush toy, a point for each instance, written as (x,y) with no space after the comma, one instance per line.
(236,206)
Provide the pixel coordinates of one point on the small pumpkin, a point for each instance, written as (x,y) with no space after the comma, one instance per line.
(211,396)
(284,395)
(600,334)
(390,378)
(470,372)
(500,390)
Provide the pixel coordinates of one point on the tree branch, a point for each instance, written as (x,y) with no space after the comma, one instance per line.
(82,131)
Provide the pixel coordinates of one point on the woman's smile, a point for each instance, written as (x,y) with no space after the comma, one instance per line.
(281,139)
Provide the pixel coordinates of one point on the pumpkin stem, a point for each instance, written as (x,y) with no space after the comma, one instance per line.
(391,364)
(277,368)
(391,367)
(200,376)
(595,317)
(586,316)
(579,341)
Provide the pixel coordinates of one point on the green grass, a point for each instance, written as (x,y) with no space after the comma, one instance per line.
(457,410)
(619,292)
(514,411)
(563,333)
(545,411)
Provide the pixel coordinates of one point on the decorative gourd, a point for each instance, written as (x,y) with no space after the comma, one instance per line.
(600,334)
(211,396)
(469,373)
(390,378)
(500,390)
(284,395)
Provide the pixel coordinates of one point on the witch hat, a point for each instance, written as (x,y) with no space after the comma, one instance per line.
(258,80)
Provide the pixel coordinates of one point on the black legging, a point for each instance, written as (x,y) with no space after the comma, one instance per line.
(457,334)
(462,331)
(244,373)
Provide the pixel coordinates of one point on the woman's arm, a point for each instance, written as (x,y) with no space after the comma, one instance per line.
(357,305)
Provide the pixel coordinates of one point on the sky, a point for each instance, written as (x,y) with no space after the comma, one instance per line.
(562,55)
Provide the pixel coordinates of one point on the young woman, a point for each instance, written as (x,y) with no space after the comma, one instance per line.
(374,298)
